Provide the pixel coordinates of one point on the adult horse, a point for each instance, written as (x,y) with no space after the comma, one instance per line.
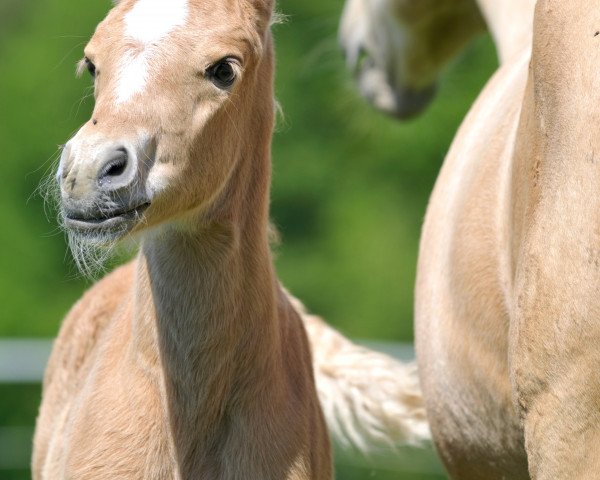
(192,361)
(508,287)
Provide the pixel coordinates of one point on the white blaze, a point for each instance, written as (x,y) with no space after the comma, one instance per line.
(148,22)
(151,20)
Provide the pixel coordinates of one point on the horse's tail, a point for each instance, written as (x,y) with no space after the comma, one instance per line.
(369,399)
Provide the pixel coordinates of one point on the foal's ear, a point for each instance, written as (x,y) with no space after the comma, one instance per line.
(267,5)
(264,10)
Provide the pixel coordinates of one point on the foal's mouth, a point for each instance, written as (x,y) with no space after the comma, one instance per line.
(107,222)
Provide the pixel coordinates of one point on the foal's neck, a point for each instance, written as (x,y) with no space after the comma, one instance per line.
(209,321)
(207,310)
(511,24)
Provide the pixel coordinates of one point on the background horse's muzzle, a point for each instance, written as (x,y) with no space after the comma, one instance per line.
(398,101)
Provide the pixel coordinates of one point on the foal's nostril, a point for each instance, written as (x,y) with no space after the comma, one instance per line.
(114,169)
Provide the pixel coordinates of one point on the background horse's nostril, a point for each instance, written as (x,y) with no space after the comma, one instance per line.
(115,166)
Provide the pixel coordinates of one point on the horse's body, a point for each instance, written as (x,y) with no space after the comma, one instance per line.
(192,362)
(507,298)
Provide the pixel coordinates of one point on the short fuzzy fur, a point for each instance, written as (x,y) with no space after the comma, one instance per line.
(508,289)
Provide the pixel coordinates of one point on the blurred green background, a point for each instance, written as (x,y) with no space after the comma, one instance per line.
(349,194)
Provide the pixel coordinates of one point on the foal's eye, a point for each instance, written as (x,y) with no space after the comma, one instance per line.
(90,67)
(222,73)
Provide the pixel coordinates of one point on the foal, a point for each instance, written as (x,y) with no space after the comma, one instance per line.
(190,363)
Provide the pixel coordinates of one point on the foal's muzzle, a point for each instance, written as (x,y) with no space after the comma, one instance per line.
(102,185)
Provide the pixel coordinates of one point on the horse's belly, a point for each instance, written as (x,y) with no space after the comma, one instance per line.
(463,293)
(469,405)
(462,348)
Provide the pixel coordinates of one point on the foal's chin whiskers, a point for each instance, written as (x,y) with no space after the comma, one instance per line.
(91,256)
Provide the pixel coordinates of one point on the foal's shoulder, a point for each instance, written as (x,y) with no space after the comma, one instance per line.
(85,323)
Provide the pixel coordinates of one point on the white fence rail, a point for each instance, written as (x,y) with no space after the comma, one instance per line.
(24,360)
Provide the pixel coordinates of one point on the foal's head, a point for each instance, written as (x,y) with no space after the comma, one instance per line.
(182,88)
(397,48)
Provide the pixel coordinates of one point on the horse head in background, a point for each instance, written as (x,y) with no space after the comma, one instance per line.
(398,49)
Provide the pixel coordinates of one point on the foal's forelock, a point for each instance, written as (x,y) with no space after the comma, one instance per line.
(148,24)
(145,33)
(144,29)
